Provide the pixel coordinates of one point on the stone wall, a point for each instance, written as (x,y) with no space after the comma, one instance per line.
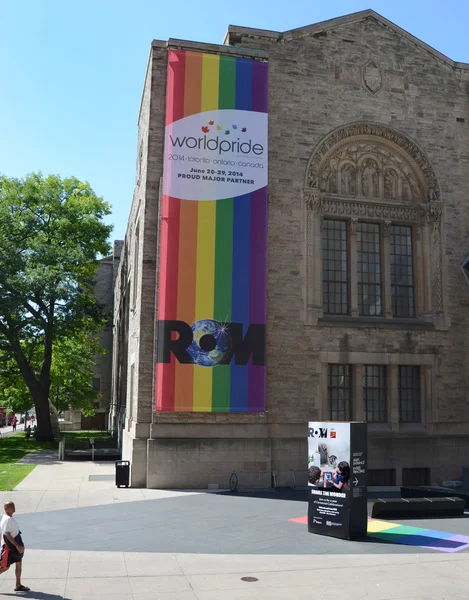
(355,70)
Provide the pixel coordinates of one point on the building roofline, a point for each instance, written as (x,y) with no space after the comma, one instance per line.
(337,22)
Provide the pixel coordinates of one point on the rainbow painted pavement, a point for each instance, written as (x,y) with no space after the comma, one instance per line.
(410,536)
(417,536)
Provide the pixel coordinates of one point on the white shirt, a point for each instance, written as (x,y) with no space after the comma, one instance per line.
(8,525)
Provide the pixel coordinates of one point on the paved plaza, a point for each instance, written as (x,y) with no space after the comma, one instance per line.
(85,538)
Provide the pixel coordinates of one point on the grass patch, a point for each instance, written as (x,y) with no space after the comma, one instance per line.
(12,475)
(87,434)
(79,440)
(12,449)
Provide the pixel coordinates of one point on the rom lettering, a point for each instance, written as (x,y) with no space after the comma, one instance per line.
(175,337)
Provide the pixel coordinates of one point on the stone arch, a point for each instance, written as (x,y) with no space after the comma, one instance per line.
(387,144)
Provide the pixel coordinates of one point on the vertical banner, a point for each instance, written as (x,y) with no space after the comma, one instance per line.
(213,236)
(337,486)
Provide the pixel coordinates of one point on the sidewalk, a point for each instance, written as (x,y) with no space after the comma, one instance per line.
(87,539)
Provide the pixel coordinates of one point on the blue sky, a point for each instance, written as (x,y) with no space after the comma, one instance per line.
(72,72)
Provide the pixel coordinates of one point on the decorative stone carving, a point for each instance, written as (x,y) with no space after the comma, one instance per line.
(387,228)
(353,208)
(377,137)
(348,180)
(432,213)
(369,178)
(372,77)
(314,202)
(353,226)
(391,184)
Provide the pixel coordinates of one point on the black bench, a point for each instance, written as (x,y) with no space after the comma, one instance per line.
(395,508)
(434,492)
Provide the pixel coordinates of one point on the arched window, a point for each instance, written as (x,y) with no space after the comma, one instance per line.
(373,228)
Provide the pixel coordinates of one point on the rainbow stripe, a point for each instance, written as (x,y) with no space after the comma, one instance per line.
(212,252)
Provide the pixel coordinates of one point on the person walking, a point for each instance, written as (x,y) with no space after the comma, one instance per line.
(13,423)
(12,547)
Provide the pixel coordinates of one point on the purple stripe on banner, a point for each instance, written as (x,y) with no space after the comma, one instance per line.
(257,289)
(240,304)
(259,86)
(257,375)
(258,259)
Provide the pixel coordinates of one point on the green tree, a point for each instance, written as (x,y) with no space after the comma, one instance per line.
(72,372)
(51,233)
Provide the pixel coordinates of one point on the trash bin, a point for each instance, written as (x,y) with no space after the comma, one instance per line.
(122,473)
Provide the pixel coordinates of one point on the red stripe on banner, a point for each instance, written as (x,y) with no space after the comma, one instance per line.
(167,293)
(175,85)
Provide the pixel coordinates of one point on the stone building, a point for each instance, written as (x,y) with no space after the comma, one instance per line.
(105,279)
(368,310)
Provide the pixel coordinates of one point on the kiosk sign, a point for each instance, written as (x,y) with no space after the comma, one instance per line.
(337,486)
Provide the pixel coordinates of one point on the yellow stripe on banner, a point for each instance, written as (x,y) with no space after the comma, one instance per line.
(205,295)
(210,81)
(206,224)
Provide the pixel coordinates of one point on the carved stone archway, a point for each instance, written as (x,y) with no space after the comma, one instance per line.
(381,137)
(368,171)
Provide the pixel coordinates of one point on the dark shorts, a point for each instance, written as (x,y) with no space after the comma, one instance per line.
(9,554)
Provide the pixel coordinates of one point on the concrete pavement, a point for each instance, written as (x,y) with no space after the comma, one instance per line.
(8,430)
(87,539)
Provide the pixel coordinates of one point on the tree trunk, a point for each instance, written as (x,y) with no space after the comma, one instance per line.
(44,431)
(39,394)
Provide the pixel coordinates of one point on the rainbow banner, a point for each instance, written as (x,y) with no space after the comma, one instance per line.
(213,236)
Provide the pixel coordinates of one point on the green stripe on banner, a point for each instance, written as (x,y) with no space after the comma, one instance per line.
(227,86)
(224,247)
(223,292)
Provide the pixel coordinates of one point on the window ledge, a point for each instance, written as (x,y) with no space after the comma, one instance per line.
(380,322)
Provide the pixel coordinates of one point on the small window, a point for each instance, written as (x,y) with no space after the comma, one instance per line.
(335,267)
(409,395)
(339,392)
(381,477)
(418,476)
(374,393)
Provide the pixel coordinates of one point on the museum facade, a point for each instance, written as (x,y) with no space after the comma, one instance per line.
(366,224)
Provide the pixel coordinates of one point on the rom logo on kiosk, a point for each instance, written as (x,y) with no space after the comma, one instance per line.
(337,486)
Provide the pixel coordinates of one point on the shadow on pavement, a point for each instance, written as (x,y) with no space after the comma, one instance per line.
(36,595)
(278,494)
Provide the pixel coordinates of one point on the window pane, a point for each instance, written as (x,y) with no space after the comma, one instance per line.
(409,395)
(374,393)
(416,476)
(381,477)
(402,272)
(369,269)
(335,267)
(339,392)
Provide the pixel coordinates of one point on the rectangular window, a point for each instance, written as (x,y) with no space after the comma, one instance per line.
(374,393)
(402,272)
(339,392)
(409,395)
(416,476)
(381,477)
(135,265)
(96,384)
(369,269)
(335,267)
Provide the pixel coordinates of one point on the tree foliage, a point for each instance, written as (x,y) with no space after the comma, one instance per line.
(51,233)
(71,375)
